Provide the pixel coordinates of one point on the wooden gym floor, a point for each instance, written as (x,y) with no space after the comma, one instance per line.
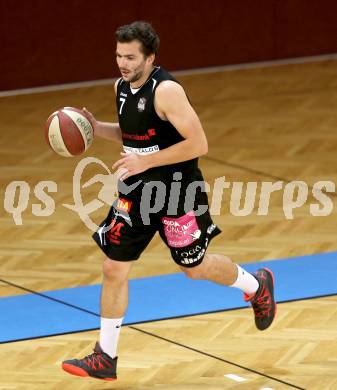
(263,124)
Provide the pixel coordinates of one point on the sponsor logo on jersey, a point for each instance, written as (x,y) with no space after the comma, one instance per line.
(140,137)
(136,137)
(148,150)
(124,205)
(141,104)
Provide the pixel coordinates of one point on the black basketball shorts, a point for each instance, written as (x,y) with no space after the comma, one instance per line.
(123,236)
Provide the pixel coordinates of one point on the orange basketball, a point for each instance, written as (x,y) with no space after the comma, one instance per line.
(69,132)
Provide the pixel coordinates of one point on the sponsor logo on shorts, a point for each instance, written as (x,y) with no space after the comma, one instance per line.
(187,259)
(175,226)
(190,252)
(180,243)
(123,205)
(211,228)
(195,235)
(181,231)
(191,260)
(114,234)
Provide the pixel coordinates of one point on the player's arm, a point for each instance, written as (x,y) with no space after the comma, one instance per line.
(172,104)
(106,130)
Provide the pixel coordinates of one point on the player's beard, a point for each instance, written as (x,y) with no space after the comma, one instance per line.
(138,73)
(136,76)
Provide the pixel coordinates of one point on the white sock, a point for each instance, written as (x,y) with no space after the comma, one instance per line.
(109,335)
(246,282)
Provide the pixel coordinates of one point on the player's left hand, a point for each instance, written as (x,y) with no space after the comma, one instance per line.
(130,164)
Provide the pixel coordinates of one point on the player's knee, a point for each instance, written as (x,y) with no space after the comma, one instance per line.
(115,270)
(196,273)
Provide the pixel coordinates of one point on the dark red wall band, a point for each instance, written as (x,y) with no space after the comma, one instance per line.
(53,42)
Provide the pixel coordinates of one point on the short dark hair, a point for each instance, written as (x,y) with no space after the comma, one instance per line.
(141,31)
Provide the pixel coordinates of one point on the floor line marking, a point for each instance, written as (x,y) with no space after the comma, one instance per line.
(216,357)
(235,377)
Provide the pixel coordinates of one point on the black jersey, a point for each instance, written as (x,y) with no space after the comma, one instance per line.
(143,131)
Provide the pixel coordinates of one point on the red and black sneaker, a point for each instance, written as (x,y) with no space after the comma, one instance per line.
(98,365)
(263,302)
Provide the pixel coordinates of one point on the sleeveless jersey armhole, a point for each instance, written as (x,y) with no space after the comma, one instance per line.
(118,83)
(175,81)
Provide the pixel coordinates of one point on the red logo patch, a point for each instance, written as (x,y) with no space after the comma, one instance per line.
(114,233)
(124,205)
(151,132)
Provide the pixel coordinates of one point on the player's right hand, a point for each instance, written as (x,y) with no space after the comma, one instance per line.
(91,118)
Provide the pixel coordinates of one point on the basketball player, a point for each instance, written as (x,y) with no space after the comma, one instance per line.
(162,138)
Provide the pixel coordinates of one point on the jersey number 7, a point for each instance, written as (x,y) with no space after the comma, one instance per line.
(121,107)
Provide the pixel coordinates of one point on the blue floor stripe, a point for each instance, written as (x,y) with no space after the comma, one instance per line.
(159,297)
